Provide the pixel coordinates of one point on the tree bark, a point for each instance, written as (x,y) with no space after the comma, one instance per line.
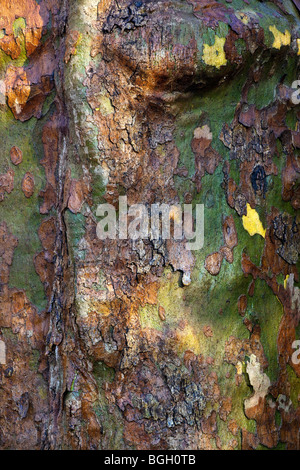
(123,344)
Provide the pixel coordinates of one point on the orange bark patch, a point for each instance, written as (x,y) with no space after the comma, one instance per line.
(78,193)
(213,263)
(17,89)
(135,434)
(162,313)
(36,17)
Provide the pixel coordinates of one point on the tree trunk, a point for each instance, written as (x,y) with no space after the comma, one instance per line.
(145,344)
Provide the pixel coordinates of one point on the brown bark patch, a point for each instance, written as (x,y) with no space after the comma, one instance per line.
(28,185)
(6,183)
(16,156)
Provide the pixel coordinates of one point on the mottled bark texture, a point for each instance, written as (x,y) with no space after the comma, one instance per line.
(102,346)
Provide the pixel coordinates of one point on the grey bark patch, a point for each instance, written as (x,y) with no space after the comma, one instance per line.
(23,405)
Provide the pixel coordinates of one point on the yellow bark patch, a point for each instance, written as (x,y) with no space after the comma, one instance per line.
(252,223)
(105,106)
(298,44)
(215,55)
(239,368)
(242,16)
(281,39)
(188,340)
